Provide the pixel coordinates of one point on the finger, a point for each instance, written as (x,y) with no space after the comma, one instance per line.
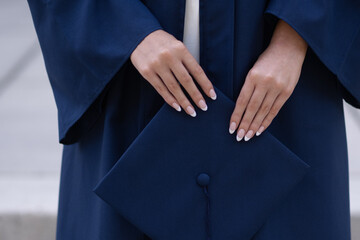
(173,86)
(241,103)
(186,80)
(160,87)
(251,109)
(264,109)
(278,103)
(199,75)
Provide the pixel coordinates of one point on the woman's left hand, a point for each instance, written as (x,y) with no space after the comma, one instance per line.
(269,83)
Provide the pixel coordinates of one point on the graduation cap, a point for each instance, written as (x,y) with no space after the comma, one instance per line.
(188,178)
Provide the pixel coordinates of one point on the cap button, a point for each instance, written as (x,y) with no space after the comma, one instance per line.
(203,179)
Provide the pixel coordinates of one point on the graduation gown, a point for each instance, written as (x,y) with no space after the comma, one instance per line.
(111,122)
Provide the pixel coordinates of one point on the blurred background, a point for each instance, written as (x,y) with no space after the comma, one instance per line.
(30,154)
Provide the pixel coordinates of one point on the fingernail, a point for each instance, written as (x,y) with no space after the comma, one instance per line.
(212,94)
(248,135)
(177,107)
(203,105)
(232,127)
(240,135)
(191,111)
(261,129)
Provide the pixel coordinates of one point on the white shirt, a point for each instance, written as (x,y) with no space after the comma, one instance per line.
(191,36)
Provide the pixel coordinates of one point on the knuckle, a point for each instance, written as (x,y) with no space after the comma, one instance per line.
(183,74)
(158,88)
(241,101)
(273,111)
(253,105)
(185,79)
(146,71)
(266,108)
(165,54)
(198,70)
(266,122)
(179,46)
(280,84)
(172,85)
(268,78)
(253,74)
(155,63)
(287,91)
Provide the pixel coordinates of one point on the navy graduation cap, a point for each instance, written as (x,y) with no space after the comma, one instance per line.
(199,182)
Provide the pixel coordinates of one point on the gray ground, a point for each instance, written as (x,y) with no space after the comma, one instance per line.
(29,152)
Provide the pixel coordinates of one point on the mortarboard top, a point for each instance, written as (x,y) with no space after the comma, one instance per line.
(188,178)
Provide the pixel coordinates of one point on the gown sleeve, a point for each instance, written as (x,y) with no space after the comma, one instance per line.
(332,30)
(84,45)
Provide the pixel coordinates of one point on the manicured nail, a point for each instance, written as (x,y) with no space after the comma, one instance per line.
(203,105)
(191,111)
(177,107)
(248,135)
(261,129)
(232,127)
(240,135)
(212,94)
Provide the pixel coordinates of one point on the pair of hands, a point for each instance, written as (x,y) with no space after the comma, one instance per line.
(166,63)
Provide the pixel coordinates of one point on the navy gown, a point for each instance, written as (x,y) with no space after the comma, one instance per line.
(104,105)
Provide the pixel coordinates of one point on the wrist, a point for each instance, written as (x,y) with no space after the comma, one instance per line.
(286,39)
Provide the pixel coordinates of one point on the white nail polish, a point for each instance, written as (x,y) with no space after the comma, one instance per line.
(240,134)
(261,129)
(177,107)
(191,111)
(203,105)
(232,127)
(212,94)
(248,135)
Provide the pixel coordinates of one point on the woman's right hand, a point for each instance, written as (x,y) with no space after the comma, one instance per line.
(165,62)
